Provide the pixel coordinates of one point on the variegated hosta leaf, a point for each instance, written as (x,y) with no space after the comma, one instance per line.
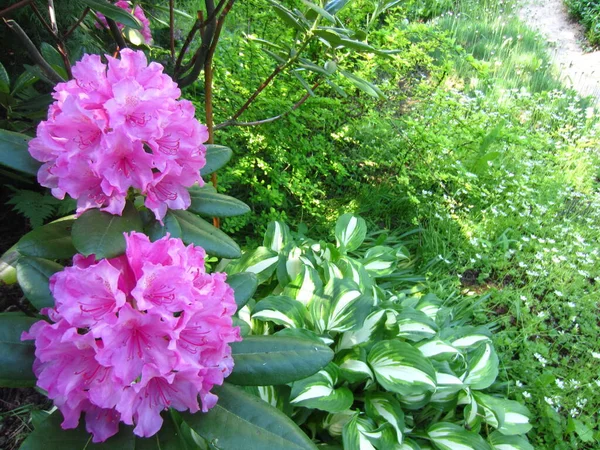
(471,413)
(380,261)
(429,304)
(415,325)
(466,338)
(354,270)
(502,442)
(277,237)
(331,271)
(384,408)
(359,434)
(261,261)
(448,387)
(371,330)
(281,310)
(305,286)
(508,416)
(408,444)
(290,265)
(334,422)
(414,402)
(342,308)
(437,349)
(276,396)
(350,232)
(318,391)
(482,367)
(401,368)
(448,436)
(353,365)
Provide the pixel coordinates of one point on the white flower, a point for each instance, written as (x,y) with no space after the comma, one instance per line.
(526,394)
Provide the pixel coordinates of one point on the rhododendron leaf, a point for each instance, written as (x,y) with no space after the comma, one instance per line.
(244,286)
(448,436)
(49,435)
(33,275)
(281,310)
(171,225)
(350,232)
(363,85)
(114,12)
(4,80)
(334,6)
(197,231)
(287,16)
(16,357)
(14,154)
(216,157)
(51,241)
(101,234)
(215,205)
(242,421)
(319,11)
(272,360)
(401,368)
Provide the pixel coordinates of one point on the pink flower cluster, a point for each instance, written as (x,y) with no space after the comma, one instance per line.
(137,12)
(118,126)
(134,335)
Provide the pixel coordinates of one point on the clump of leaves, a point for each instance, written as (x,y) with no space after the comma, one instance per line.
(39,207)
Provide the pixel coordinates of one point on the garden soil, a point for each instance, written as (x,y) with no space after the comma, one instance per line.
(580,69)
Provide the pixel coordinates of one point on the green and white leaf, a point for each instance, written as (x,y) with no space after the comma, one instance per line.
(355,271)
(261,261)
(502,442)
(448,436)
(429,304)
(508,416)
(335,422)
(482,367)
(353,365)
(281,310)
(437,349)
(415,325)
(384,408)
(401,368)
(318,391)
(306,286)
(277,237)
(371,328)
(350,232)
(380,261)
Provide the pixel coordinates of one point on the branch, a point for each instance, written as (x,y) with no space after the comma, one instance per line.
(39,16)
(234,123)
(211,17)
(171,28)
(117,35)
(35,55)
(11,8)
(76,24)
(186,44)
(202,52)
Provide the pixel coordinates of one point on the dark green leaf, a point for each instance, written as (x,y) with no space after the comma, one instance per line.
(114,12)
(33,275)
(16,356)
(287,16)
(14,154)
(334,6)
(272,360)
(319,10)
(101,234)
(215,205)
(4,80)
(156,231)
(364,85)
(51,241)
(51,55)
(244,286)
(242,421)
(50,436)
(216,157)
(197,231)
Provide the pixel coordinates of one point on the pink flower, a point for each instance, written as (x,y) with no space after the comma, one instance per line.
(138,12)
(134,335)
(118,127)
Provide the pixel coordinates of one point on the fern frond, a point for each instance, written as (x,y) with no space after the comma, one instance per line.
(34,206)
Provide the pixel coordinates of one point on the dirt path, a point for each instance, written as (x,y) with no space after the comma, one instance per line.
(579,70)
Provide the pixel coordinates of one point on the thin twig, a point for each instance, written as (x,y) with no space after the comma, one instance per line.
(76,24)
(186,44)
(36,11)
(11,8)
(35,55)
(117,35)
(234,123)
(215,12)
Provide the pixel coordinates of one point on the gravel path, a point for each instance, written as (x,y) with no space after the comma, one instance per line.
(579,70)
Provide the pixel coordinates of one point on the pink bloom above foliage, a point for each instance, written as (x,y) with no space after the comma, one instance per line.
(138,13)
(116,127)
(134,335)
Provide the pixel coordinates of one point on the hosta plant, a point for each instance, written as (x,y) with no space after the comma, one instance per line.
(408,373)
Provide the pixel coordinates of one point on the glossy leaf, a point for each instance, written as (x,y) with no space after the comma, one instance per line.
(16,356)
(216,157)
(51,241)
(318,391)
(281,310)
(448,436)
(353,365)
(33,275)
(261,261)
(502,442)
(244,286)
(100,233)
(287,16)
(334,6)
(197,231)
(384,408)
(277,237)
(273,360)
(156,231)
(14,154)
(322,12)
(114,12)
(483,367)
(4,80)
(350,232)
(242,421)
(213,204)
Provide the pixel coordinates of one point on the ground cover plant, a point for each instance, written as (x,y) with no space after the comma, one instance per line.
(588,13)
